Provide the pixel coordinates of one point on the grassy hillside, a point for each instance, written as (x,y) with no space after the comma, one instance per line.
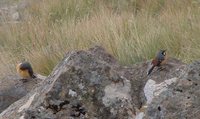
(132,30)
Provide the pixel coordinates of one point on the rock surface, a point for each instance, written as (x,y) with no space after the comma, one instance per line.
(85,84)
(93,85)
(12,12)
(180,99)
(13,89)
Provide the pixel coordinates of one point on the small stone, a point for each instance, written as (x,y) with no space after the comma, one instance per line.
(72,93)
(16,16)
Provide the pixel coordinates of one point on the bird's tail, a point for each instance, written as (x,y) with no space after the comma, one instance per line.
(150,70)
(34,76)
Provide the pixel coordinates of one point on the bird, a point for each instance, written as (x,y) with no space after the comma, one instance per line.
(24,69)
(158,60)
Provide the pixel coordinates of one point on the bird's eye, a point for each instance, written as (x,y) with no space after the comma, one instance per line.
(164,53)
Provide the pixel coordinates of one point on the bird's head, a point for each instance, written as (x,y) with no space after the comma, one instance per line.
(162,52)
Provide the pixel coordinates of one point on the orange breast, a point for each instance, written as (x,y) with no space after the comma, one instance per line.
(24,74)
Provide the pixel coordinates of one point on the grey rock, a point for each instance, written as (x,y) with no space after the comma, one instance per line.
(15,16)
(85,84)
(181,98)
(13,13)
(93,85)
(13,89)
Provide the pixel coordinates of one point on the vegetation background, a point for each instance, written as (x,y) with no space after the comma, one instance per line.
(132,30)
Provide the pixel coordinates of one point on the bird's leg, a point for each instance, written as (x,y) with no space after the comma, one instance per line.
(160,68)
(24,80)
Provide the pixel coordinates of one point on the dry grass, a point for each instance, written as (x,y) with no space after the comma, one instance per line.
(132,30)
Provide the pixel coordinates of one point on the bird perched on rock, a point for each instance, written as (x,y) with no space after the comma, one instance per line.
(25,70)
(158,60)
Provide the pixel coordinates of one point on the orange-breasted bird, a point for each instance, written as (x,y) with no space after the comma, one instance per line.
(25,70)
(158,60)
